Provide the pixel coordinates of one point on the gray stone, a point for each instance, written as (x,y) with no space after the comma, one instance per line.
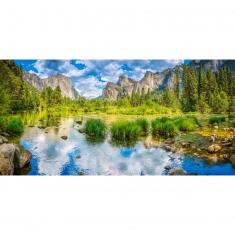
(7,153)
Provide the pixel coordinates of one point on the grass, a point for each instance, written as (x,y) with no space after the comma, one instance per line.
(169,127)
(216,120)
(12,125)
(143,124)
(95,128)
(163,127)
(233,123)
(231,115)
(125,130)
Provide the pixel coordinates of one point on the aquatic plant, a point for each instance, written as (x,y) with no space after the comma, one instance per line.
(95,128)
(216,120)
(164,128)
(233,123)
(231,115)
(125,130)
(143,124)
(185,123)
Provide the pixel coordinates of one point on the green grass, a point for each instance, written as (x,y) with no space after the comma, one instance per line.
(95,128)
(143,124)
(169,127)
(233,123)
(125,130)
(216,120)
(186,123)
(231,115)
(12,125)
(163,127)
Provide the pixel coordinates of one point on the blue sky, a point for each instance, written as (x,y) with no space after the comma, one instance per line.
(90,76)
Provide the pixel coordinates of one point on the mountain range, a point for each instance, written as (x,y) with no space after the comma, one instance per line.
(126,86)
(158,80)
(65,84)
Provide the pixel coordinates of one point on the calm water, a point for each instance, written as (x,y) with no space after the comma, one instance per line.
(77,156)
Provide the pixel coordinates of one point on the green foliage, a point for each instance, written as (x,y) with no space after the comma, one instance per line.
(186,124)
(12,125)
(231,115)
(164,127)
(125,130)
(143,124)
(216,120)
(95,128)
(233,123)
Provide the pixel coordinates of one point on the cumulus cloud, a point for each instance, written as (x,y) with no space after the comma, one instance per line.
(90,76)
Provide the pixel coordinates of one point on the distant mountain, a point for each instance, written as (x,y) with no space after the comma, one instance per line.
(158,80)
(151,81)
(60,80)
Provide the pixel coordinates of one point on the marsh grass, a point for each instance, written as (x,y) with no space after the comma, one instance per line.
(125,130)
(143,124)
(216,120)
(95,128)
(233,123)
(169,127)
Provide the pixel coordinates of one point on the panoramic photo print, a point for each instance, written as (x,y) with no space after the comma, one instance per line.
(117,117)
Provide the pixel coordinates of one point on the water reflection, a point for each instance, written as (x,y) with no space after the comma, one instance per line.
(77,155)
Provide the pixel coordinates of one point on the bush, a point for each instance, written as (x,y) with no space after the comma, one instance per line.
(125,130)
(216,120)
(143,124)
(95,128)
(14,125)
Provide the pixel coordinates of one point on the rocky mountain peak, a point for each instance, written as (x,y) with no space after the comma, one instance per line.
(60,80)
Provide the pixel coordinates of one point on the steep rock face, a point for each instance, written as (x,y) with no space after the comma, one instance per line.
(151,81)
(60,80)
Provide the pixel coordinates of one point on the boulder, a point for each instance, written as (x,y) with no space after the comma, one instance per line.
(3,140)
(64,137)
(232,160)
(22,157)
(212,138)
(81,130)
(7,153)
(177,171)
(214,148)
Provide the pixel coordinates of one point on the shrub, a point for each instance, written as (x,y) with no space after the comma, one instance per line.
(143,124)
(95,128)
(216,120)
(125,130)
(14,125)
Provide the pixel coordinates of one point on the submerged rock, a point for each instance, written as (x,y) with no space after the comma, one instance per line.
(232,159)
(177,171)
(81,130)
(214,148)
(79,122)
(64,137)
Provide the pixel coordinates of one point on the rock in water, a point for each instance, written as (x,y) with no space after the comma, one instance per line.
(177,171)
(7,153)
(3,139)
(64,137)
(22,157)
(214,148)
(232,159)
